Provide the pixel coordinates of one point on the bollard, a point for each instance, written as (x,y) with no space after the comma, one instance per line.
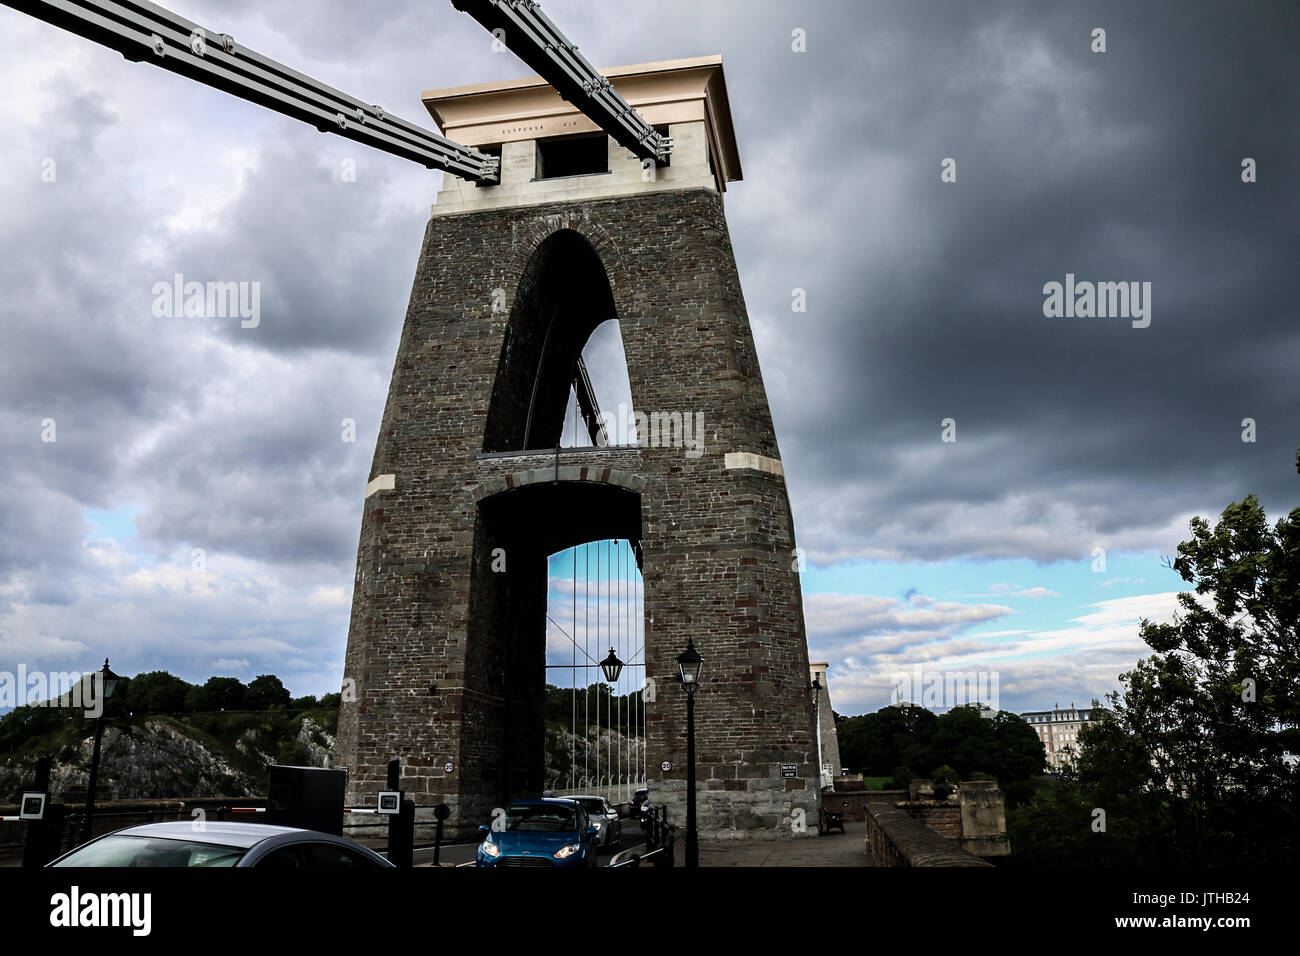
(44,835)
(401,825)
(441,812)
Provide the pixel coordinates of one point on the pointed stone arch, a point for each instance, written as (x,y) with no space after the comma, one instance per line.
(563,295)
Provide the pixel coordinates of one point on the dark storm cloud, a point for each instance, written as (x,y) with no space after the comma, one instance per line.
(925,298)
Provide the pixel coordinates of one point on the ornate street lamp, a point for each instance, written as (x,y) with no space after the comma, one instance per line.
(612,667)
(689,665)
(108,684)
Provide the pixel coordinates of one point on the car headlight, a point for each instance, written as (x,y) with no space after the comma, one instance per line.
(490,848)
(564,852)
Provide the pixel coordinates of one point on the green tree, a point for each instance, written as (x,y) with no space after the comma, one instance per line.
(218,693)
(264,692)
(1196,741)
(900,778)
(1020,753)
(964,738)
(157,692)
(893,736)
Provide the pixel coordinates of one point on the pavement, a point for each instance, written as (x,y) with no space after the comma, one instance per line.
(830,849)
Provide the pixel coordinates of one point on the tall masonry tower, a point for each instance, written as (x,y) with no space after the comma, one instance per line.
(469,492)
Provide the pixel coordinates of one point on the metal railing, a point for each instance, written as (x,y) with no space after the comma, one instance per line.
(660,837)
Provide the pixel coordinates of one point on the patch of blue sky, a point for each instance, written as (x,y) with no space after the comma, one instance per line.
(117,524)
(602,559)
(1040,596)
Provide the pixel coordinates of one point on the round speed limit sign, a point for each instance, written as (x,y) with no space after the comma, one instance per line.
(448,767)
(666,766)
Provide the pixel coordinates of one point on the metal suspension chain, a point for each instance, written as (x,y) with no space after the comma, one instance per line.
(532,37)
(146,32)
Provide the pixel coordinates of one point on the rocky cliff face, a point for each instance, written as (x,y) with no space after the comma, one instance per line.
(161,759)
(604,759)
(156,759)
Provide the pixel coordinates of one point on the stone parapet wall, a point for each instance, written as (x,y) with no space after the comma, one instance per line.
(895,838)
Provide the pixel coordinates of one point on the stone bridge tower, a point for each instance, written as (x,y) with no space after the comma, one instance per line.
(446,651)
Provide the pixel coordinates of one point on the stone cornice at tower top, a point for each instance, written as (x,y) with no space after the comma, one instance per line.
(667,92)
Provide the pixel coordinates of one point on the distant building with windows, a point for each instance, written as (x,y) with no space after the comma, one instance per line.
(1059,728)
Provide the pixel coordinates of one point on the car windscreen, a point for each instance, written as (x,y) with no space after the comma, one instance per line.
(596,807)
(140,851)
(541,818)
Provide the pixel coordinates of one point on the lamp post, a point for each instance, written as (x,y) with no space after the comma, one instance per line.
(108,685)
(816,689)
(689,664)
(612,667)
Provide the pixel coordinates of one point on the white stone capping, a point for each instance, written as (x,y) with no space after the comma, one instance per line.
(381,483)
(747,459)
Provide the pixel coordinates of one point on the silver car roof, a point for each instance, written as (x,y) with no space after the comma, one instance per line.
(223,833)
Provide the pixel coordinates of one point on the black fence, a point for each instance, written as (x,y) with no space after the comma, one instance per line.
(660,836)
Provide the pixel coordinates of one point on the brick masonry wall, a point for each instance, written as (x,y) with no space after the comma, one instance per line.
(942,818)
(445,652)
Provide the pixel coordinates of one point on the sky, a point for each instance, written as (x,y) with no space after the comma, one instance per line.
(181,493)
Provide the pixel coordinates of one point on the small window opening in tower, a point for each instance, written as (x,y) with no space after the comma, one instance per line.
(583,155)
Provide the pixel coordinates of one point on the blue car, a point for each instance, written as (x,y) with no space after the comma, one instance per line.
(540,832)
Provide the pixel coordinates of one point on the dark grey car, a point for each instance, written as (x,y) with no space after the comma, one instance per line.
(202,844)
